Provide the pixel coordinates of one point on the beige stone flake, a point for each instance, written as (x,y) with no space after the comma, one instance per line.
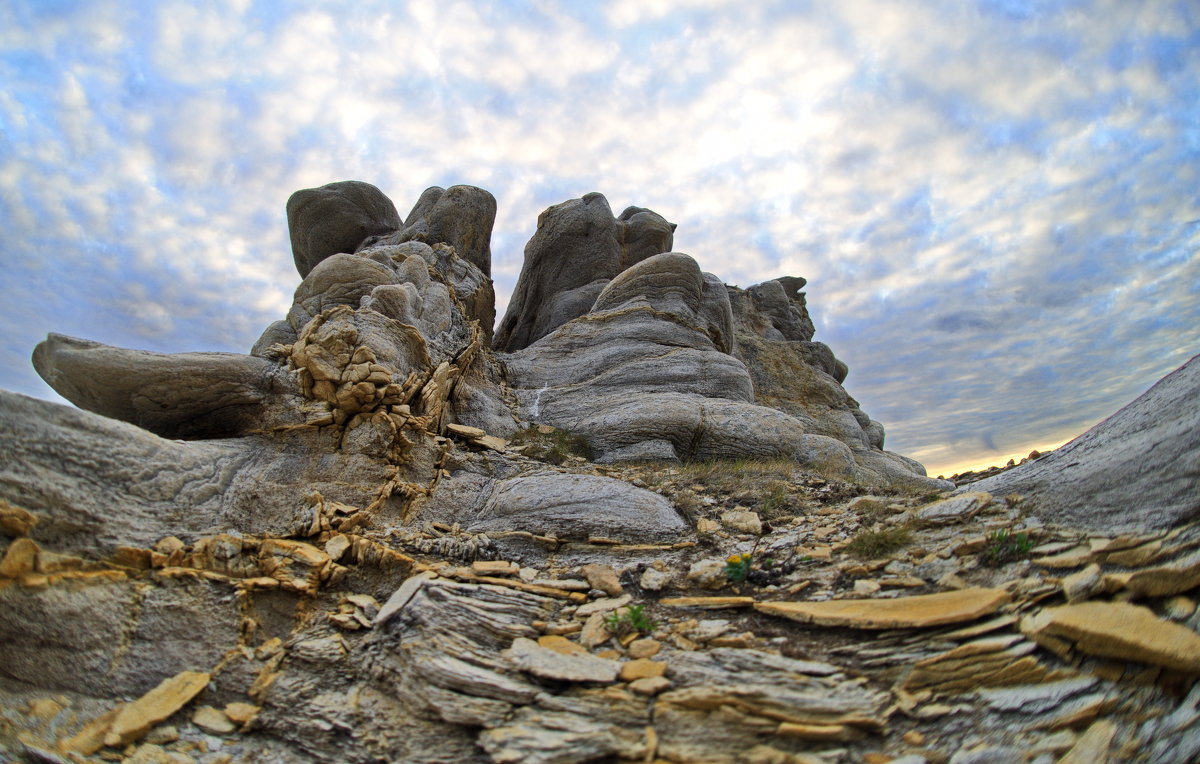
(921,611)
(213,721)
(1120,630)
(708,603)
(1092,746)
(20,559)
(642,668)
(465,431)
(135,719)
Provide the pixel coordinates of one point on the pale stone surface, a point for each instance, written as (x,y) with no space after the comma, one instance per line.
(527,655)
(921,611)
(642,668)
(654,580)
(213,720)
(604,578)
(708,603)
(742,521)
(954,509)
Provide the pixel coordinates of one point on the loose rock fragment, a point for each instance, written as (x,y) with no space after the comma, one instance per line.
(157,705)
(527,655)
(1119,630)
(920,611)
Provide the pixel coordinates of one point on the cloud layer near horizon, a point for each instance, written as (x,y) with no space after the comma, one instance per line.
(996,203)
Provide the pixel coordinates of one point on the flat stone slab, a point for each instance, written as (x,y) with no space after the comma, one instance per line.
(547,663)
(708,603)
(135,720)
(1120,630)
(917,612)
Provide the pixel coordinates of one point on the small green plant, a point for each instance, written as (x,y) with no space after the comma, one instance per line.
(551,447)
(775,502)
(1006,546)
(737,567)
(873,544)
(628,620)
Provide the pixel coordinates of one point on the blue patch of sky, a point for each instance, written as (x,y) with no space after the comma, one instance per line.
(1026,10)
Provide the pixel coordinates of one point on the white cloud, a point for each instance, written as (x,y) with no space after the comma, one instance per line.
(918,162)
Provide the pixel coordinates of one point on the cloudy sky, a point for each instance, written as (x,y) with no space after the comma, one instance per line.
(996,203)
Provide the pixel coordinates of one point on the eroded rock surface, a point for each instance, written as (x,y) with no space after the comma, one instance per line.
(1138,469)
(375,539)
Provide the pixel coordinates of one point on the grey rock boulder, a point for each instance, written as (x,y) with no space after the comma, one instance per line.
(566,506)
(335,218)
(97,484)
(1137,470)
(179,395)
(460,216)
(578,247)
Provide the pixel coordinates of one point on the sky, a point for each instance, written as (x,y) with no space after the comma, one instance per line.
(996,203)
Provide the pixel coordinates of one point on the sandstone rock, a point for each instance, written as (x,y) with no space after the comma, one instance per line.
(213,720)
(180,395)
(20,558)
(577,506)
(603,577)
(462,430)
(650,685)
(1119,630)
(135,719)
(954,509)
(595,631)
(1177,576)
(742,521)
(644,648)
(561,645)
(708,603)
(15,521)
(708,574)
(605,605)
(654,580)
(242,713)
(921,611)
(461,216)
(334,218)
(642,668)
(495,568)
(1101,481)
(527,655)
(1084,584)
(1092,746)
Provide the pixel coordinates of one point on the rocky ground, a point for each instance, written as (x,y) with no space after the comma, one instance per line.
(802,619)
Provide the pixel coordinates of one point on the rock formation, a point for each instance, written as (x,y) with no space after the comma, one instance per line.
(1138,469)
(380,537)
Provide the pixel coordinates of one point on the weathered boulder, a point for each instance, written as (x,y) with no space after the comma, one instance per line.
(1138,469)
(182,395)
(98,484)
(578,247)
(336,218)
(461,216)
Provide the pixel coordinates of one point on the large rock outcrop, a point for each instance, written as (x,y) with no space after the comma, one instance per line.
(655,362)
(1138,469)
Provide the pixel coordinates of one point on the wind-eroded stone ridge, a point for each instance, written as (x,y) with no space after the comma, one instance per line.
(577,249)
